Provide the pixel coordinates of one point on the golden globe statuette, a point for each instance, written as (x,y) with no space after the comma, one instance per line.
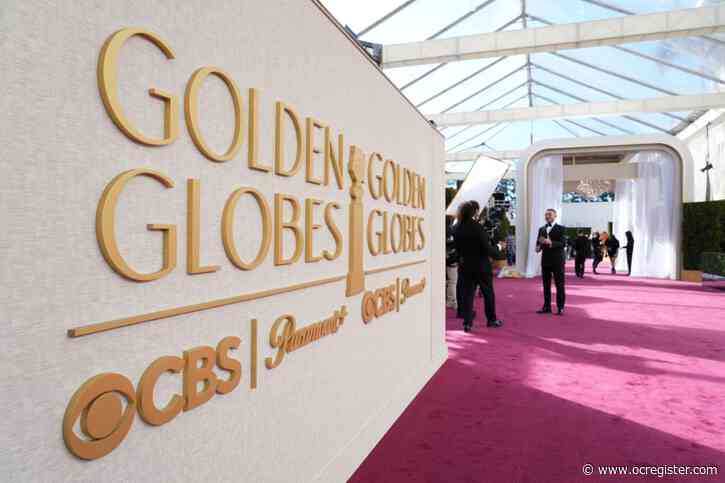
(355,271)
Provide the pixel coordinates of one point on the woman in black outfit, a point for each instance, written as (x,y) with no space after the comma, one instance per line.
(475,268)
(612,245)
(630,249)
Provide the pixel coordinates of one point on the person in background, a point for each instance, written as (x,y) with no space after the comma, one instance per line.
(551,241)
(451,265)
(581,250)
(511,249)
(612,245)
(630,250)
(603,237)
(477,208)
(459,283)
(459,279)
(571,247)
(596,251)
(474,249)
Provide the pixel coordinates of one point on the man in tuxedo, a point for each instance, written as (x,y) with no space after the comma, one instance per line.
(551,242)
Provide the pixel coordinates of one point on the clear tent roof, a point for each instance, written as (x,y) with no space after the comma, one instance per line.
(692,65)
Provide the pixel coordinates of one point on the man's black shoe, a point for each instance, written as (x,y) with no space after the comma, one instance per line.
(545,310)
(495,323)
(560,312)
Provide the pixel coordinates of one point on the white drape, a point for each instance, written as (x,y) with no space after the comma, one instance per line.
(547,187)
(647,206)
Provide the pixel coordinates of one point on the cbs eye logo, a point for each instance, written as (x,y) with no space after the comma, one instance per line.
(98,403)
(103,420)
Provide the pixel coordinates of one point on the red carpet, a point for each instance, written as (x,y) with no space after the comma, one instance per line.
(634,374)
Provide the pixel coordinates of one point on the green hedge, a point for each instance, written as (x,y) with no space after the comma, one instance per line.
(713,263)
(703,230)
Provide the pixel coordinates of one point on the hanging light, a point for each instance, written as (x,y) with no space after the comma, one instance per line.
(593,188)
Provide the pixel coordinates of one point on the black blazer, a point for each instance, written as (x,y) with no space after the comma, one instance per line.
(553,256)
(612,245)
(581,246)
(473,248)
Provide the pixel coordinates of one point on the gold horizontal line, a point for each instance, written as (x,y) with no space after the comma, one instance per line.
(385,269)
(89,329)
(187,309)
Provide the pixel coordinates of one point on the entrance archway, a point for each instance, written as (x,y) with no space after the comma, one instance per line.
(611,144)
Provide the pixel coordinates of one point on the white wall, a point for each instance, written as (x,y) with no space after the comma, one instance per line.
(318,414)
(594,215)
(695,136)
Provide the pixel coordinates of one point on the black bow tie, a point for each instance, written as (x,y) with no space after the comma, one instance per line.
(549,225)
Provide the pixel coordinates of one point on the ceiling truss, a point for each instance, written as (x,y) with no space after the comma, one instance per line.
(551,38)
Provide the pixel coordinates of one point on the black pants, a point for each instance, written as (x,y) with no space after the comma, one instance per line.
(629,260)
(557,272)
(597,260)
(459,292)
(470,282)
(579,265)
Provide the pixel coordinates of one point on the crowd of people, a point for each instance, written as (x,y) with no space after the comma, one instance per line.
(472,247)
(600,245)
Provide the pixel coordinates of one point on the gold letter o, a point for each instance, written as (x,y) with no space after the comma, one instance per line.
(191,103)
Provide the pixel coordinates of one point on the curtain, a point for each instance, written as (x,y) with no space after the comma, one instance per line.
(622,218)
(647,206)
(547,187)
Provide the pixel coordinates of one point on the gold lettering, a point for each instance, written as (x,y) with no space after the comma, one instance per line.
(146,406)
(332,160)
(398,191)
(384,181)
(228,228)
(310,227)
(336,235)
(373,247)
(421,191)
(108,87)
(373,192)
(421,234)
(106,231)
(195,373)
(252,161)
(386,235)
(280,341)
(279,138)
(399,244)
(311,125)
(193,266)
(280,226)
(407,187)
(224,362)
(191,104)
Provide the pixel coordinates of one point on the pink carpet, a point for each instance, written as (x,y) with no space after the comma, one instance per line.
(634,374)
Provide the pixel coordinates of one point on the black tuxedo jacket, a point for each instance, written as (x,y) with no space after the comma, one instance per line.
(554,255)
(473,247)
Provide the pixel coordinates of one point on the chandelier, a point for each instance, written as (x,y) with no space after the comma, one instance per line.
(593,188)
